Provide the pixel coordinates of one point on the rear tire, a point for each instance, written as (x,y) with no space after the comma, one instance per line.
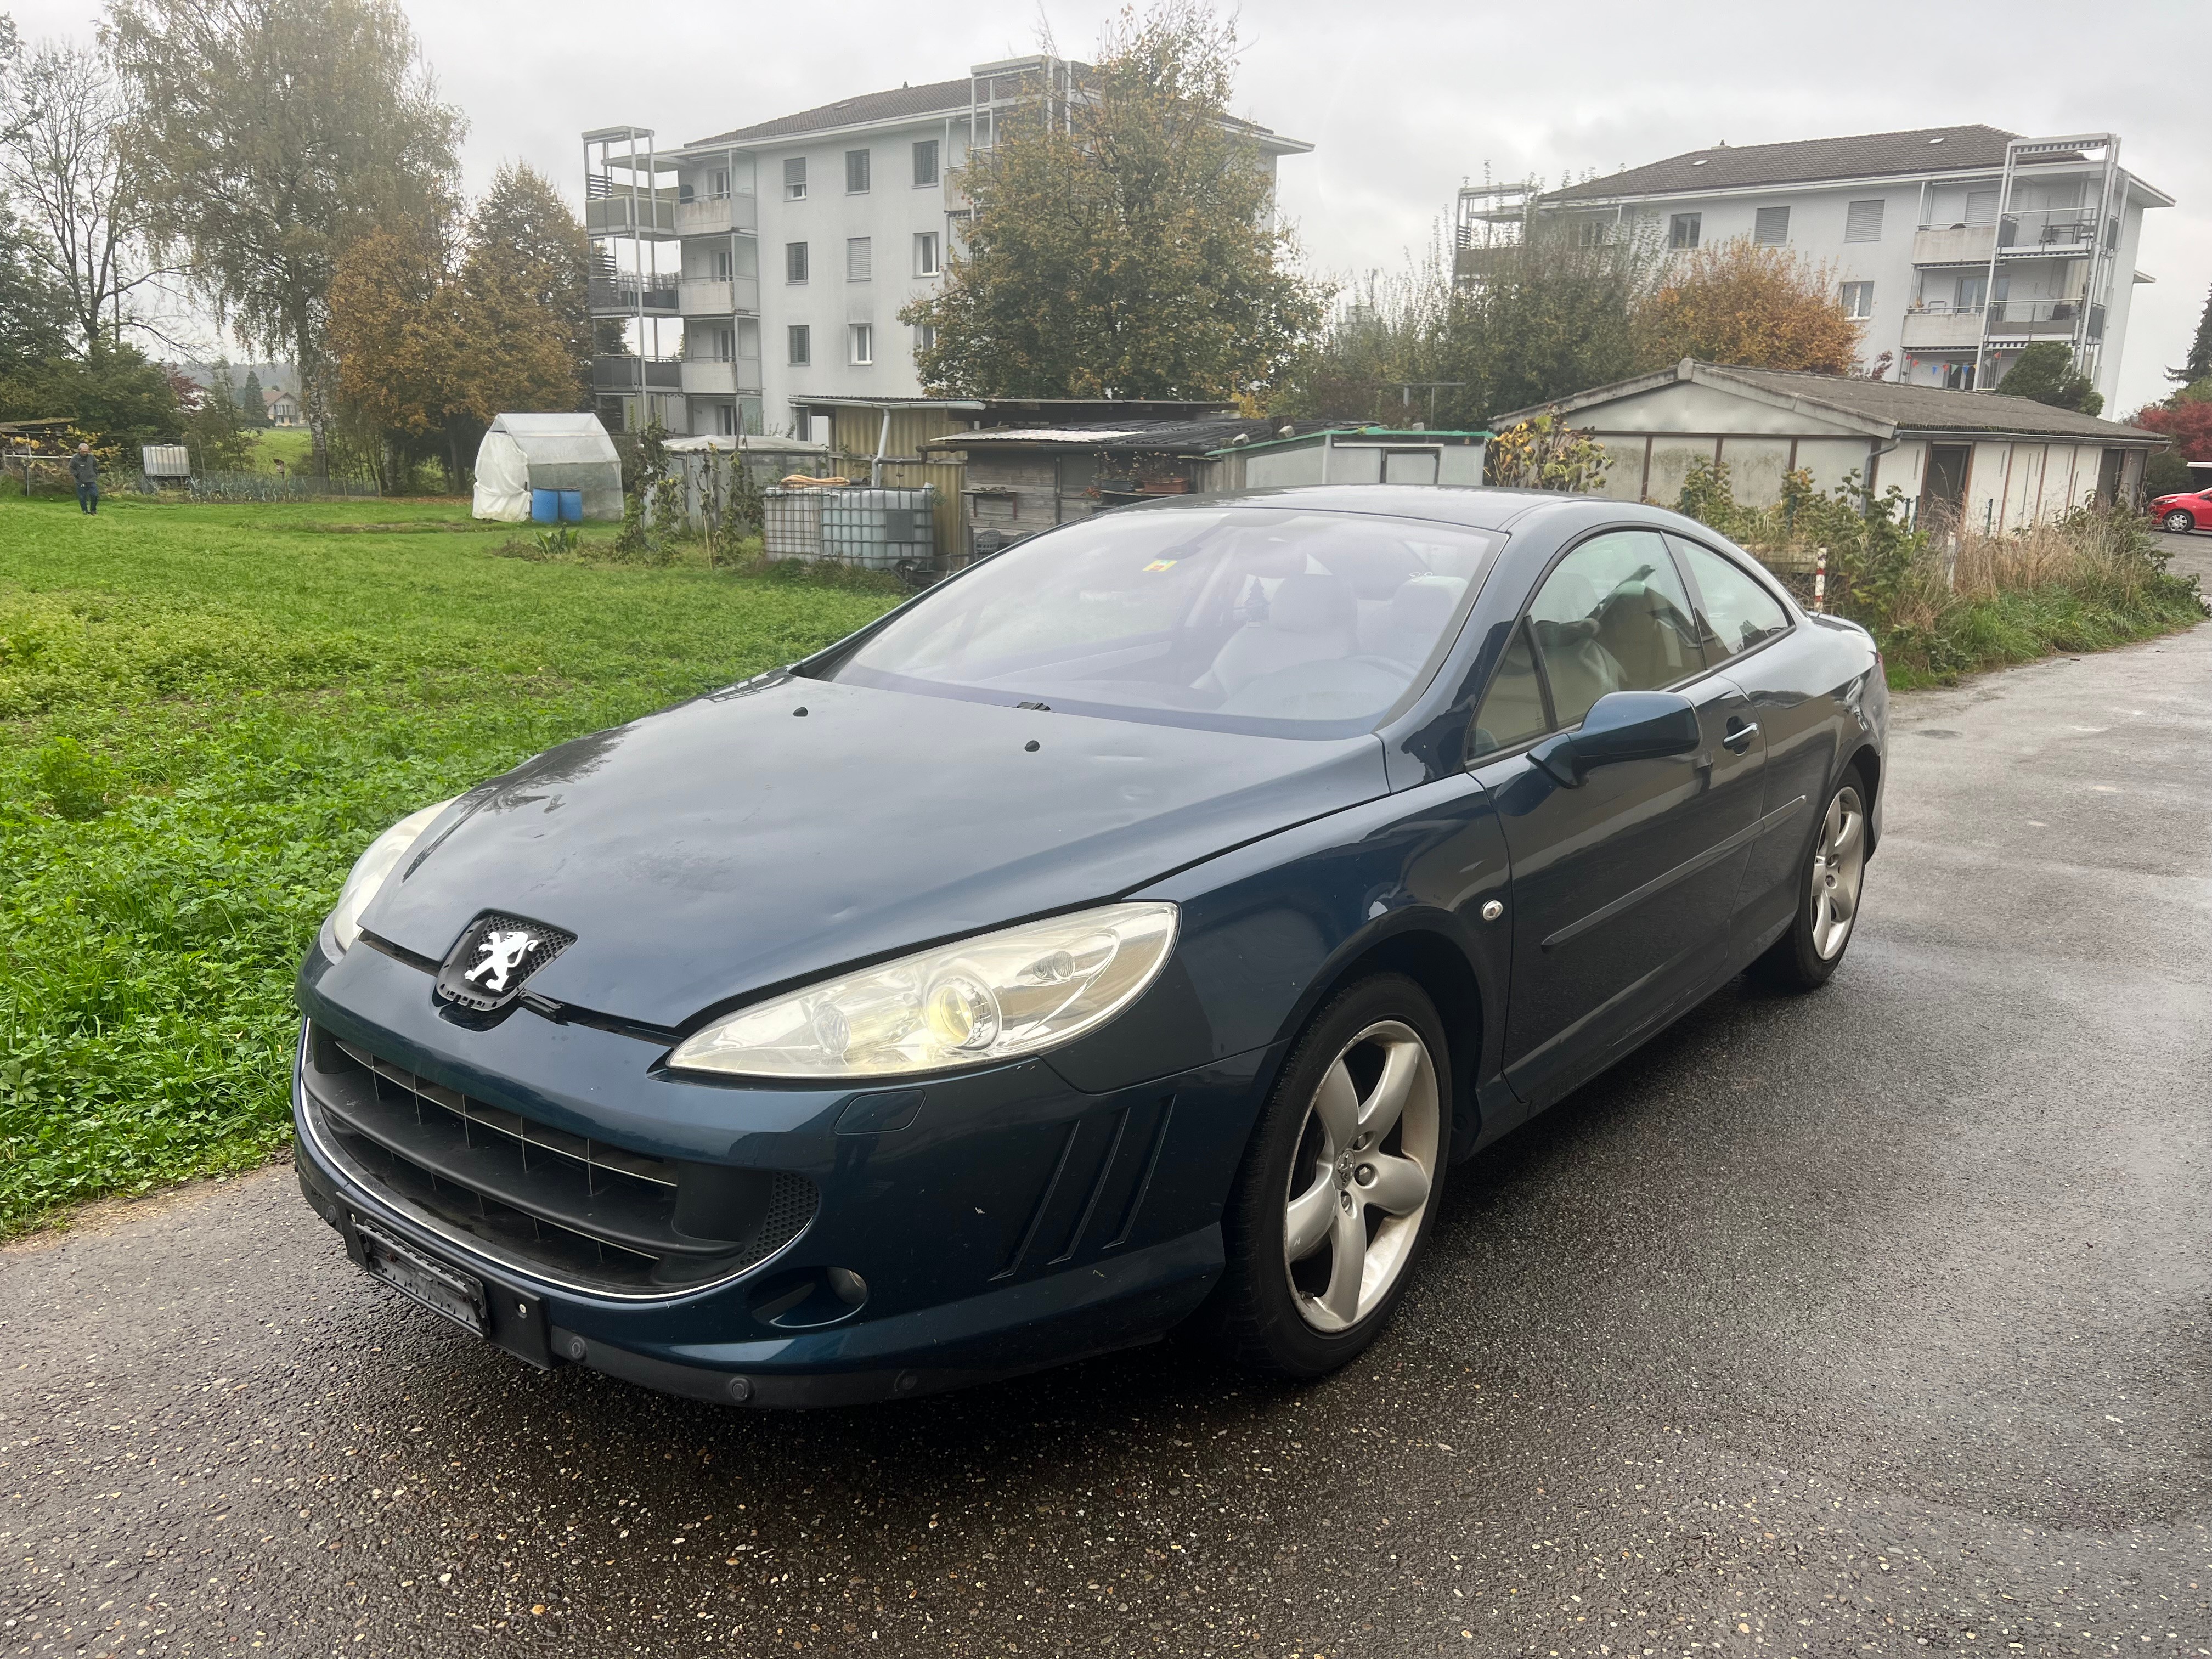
(2180,523)
(1830,882)
(1338,1187)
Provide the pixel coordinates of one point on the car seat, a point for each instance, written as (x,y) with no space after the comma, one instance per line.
(1310,618)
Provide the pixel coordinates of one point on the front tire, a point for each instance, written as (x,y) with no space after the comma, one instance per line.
(2180,523)
(1339,1185)
(1828,888)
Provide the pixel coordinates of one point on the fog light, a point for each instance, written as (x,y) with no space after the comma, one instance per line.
(848,1287)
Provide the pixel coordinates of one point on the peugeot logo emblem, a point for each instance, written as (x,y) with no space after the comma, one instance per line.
(503,952)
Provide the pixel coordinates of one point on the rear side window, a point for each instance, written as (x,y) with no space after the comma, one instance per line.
(1738,613)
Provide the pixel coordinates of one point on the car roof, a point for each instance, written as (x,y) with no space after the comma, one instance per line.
(1476,508)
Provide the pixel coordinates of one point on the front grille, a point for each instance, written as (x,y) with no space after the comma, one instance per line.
(556,1205)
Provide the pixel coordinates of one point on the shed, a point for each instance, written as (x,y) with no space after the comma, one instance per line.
(702,463)
(1366,454)
(1971,459)
(522,452)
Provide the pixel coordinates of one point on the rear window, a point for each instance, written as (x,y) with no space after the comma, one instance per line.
(1280,623)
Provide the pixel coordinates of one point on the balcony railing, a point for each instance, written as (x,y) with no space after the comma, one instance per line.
(1954,245)
(727,377)
(627,296)
(2044,319)
(2048,230)
(1943,328)
(616,373)
(654,219)
(720,296)
(710,215)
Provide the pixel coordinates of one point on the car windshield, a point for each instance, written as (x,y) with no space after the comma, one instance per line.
(1282,623)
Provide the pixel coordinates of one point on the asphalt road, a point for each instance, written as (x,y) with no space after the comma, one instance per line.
(1862,1324)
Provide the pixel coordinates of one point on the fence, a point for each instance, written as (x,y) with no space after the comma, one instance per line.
(272,486)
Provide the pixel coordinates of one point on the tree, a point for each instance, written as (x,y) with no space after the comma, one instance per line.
(252,407)
(2198,365)
(214,435)
(1741,303)
(63,159)
(528,256)
(113,390)
(271,135)
(1124,242)
(2045,372)
(33,319)
(1548,315)
(1379,347)
(2188,423)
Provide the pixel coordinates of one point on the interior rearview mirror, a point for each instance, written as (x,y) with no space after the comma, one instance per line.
(1621,725)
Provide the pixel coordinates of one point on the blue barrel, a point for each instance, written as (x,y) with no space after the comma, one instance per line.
(544,506)
(571,506)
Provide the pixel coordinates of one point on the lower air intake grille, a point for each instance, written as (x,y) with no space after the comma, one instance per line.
(555,1205)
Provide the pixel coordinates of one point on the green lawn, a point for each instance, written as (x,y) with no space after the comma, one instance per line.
(205,713)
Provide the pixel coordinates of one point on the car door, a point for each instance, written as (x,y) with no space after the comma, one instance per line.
(1622,886)
(1747,630)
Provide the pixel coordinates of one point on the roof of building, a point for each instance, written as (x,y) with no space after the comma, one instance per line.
(935,98)
(1886,407)
(1868,156)
(1183,437)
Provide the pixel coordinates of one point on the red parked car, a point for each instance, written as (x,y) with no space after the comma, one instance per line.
(2184,513)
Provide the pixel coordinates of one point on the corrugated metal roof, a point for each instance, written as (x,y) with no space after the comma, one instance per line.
(1868,156)
(1883,403)
(1147,437)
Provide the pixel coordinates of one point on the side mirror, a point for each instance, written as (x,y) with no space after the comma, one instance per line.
(1621,725)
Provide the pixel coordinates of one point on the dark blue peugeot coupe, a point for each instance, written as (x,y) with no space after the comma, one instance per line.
(1136,927)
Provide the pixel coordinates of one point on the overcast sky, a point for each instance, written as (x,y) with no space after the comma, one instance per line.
(1400,100)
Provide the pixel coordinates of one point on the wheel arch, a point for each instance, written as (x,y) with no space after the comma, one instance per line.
(1866,760)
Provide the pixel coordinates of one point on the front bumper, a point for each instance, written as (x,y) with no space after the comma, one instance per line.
(1012,1223)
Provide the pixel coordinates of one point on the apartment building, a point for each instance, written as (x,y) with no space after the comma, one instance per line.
(1957,246)
(755,270)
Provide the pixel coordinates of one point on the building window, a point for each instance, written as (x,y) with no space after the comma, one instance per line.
(924,337)
(1858,300)
(726,419)
(795,261)
(800,339)
(926,250)
(1590,230)
(718,187)
(925,163)
(1981,207)
(1682,229)
(1772,228)
(1863,222)
(856,173)
(719,262)
(864,342)
(859,258)
(794,178)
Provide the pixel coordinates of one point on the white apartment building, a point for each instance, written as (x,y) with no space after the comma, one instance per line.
(758,268)
(1958,246)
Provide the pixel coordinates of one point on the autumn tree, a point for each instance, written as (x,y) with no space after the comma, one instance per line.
(397,335)
(1745,304)
(527,265)
(1124,242)
(267,136)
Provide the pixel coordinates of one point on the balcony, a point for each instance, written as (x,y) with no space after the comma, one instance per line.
(1954,245)
(650,216)
(2048,233)
(720,296)
(630,295)
(1944,328)
(717,215)
(616,373)
(709,377)
(2022,320)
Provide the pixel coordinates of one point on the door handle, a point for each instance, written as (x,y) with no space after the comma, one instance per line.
(1739,738)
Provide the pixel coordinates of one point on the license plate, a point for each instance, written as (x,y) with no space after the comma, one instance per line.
(457,1295)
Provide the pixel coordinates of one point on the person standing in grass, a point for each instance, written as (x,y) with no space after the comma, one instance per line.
(84,467)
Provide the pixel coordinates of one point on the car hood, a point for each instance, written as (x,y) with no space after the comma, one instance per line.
(785,828)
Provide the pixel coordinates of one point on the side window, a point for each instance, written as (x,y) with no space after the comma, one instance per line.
(1513,708)
(1612,616)
(1738,612)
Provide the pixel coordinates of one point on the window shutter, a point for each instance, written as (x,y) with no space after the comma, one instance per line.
(1773,226)
(1863,222)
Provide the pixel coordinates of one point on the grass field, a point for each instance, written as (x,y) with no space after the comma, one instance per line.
(205,713)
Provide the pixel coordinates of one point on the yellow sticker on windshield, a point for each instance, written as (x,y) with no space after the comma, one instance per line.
(1161,564)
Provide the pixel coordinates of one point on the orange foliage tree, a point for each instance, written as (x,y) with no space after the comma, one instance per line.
(1753,307)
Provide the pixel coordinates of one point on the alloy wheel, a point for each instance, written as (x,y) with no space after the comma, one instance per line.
(1361,1175)
(1839,867)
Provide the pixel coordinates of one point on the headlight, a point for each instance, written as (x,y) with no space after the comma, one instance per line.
(342,926)
(991,998)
